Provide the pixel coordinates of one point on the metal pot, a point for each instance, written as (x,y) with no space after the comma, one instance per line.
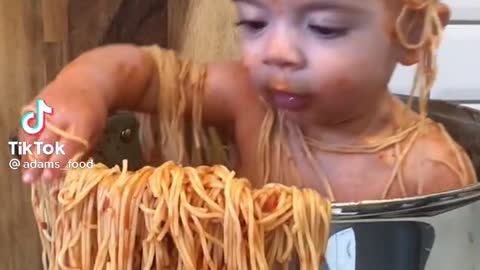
(435,232)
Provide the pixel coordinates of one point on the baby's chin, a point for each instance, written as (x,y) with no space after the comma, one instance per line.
(313,116)
(306,117)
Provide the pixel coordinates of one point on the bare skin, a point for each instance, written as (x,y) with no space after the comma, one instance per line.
(326,63)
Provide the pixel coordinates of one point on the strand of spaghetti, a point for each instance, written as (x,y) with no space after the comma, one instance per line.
(401,181)
(42,227)
(373,147)
(46,202)
(458,155)
(321,174)
(174,215)
(158,185)
(232,231)
(288,245)
(203,241)
(279,139)
(188,238)
(264,146)
(84,192)
(313,223)
(430,11)
(88,245)
(398,164)
(298,215)
(76,228)
(199,189)
(128,208)
(105,219)
(137,196)
(125,218)
(148,251)
(159,215)
(57,130)
(115,199)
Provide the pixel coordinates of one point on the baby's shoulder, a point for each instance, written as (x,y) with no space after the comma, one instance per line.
(435,162)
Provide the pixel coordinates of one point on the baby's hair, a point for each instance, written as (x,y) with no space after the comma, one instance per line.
(431,35)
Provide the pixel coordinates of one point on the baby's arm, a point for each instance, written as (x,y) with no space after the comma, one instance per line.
(433,165)
(126,77)
(116,77)
(223,92)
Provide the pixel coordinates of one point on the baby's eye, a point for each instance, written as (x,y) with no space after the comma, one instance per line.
(327,32)
(252,25)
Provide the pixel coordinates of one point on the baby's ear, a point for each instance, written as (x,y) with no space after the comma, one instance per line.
(443,13)
(412,25)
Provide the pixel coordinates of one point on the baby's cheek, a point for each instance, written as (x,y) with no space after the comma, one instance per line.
(335,87)
(256,73)
(344,95)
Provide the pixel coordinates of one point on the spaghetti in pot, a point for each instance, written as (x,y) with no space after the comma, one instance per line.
(174,217)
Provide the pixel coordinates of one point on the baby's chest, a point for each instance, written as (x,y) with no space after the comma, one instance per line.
(351,177)
(354,177)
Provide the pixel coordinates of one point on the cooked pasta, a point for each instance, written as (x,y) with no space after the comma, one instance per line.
(173,217)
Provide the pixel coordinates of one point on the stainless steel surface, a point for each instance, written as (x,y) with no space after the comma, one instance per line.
(436,232)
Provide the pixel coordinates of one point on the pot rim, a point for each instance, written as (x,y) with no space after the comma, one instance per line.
(416,206)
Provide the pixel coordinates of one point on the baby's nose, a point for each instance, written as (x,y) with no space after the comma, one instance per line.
(282,52)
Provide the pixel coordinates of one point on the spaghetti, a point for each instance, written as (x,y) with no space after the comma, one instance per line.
(174,217)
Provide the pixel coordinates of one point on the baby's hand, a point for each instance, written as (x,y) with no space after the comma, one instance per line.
(78,111)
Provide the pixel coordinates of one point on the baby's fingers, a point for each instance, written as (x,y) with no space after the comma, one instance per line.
(73,152)
(46,146)
(21,148)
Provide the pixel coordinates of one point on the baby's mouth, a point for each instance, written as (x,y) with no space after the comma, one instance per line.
(284,96)
(289,101)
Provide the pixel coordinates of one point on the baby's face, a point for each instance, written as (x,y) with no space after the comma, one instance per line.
(319,60)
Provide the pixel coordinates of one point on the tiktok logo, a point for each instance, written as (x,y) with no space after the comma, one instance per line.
(42,110)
